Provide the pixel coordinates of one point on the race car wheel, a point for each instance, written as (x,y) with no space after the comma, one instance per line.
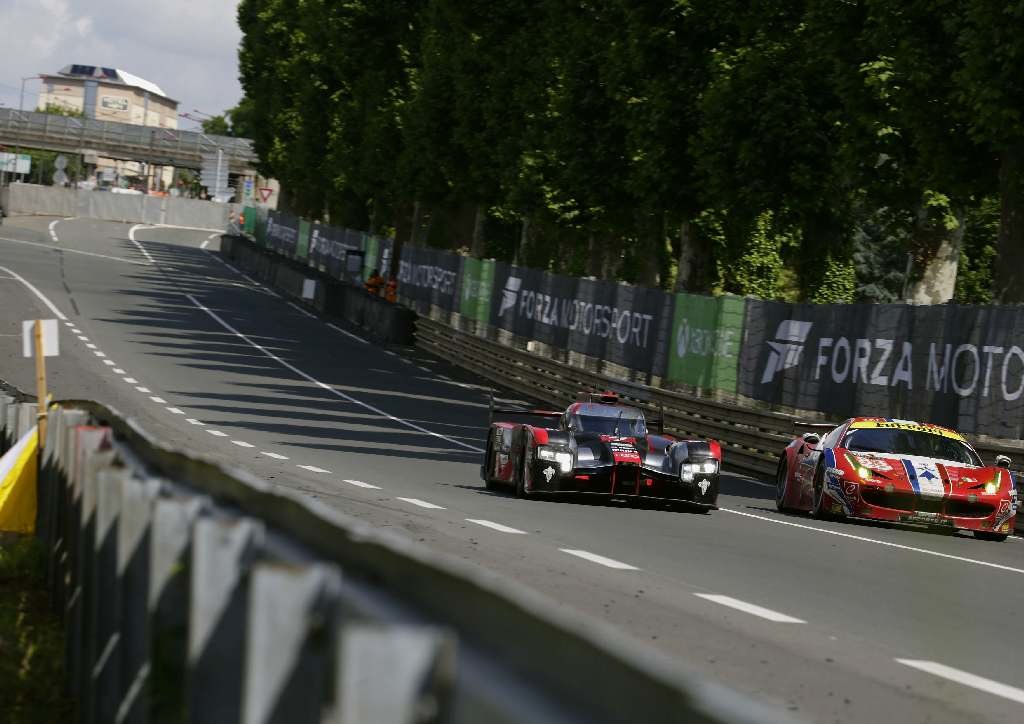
(989,535)
(780,485)
(524,473)
(819,504)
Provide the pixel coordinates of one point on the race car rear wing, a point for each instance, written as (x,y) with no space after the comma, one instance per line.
(525,412)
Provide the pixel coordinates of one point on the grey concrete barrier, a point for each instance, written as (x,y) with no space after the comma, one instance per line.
(191,592)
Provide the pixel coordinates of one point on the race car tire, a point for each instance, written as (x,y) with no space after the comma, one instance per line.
(819,500)
(524,471)
(780,485)
(989,535)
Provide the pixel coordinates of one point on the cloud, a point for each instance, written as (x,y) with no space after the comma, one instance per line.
(188,48)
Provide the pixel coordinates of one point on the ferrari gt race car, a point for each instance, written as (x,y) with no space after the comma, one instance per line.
(603,447)
(898,471)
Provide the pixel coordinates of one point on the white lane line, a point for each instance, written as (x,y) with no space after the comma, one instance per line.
(421,503)
(601,560)
(42,297)
(217,433)
(98,353)
(90,346)
(424,369)
(356,337)
(967,679)
(750,608)
(273,455)
(144,389)
(117,371)
(864,539)
(131,380)
(269,291)
(361,484)
(70,324)
(65,250)
(313,469)
(83,338)
(159,400)
(496,526)
(109,362)
(53,229)
(208,239)
(242,443)
(175,411)
(131,237)
(327,387)
(194,421)
(299,309)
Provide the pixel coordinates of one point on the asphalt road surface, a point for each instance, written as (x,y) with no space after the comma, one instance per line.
(833,621)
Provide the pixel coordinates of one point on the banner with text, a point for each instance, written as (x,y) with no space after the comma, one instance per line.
(706,336)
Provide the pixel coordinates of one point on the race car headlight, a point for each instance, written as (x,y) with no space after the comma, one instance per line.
(991,488)
(864,473)
(562,457)
(687,471)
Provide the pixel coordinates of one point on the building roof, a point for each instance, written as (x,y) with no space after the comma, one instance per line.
(111,75)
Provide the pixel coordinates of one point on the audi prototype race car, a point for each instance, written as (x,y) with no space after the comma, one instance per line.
(898,471)
(602,447)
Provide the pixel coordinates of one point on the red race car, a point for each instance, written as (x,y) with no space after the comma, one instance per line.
(601,447)
(898,471)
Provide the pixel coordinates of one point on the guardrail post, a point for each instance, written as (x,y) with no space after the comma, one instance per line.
(394,674)
(222,553)
(288,643)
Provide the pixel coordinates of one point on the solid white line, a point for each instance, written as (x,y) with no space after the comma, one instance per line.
(131,237)
(42,297)
(750,608)
(361,484)
(297,308)
(863,539)
(269,291)
(313,469)
(217,433)
(327,387)
(65,250)
(143,389)
(273,455)
(53,232)
(356,337)
(421,503)
(594,558)
(175,411)
(496,526)
(242,443)
(424,369)
(967,679)
(194,421)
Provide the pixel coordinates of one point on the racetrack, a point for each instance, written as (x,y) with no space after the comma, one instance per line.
(814,617)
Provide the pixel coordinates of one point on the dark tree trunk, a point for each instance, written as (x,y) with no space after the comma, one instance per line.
(595,256)
(685,271)
(1009,269)
(477,248)
(938,252)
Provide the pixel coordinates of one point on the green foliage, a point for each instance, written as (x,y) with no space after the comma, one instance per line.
(978,254)
(217,125)
(56,109)
(752,264)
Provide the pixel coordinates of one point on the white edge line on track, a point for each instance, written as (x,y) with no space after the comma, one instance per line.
(864,539)
(752,609)
(325,386)
(131,237)
(42,297)
(361,484)
(600,560)
(53,229)
(421,503)
(356,337)
(300,310)
(966,679)
(496,526)
(73,251)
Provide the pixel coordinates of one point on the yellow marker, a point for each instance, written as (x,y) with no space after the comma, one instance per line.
(18,485)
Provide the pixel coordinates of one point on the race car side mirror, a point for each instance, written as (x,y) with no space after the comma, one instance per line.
(1003,461)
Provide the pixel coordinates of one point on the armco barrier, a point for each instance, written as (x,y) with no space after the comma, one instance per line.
(194,593)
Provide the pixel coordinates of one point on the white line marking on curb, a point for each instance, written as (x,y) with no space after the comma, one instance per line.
(42,297)
(273,455)
(967,679)
(159,400)
(143,389)
(421,503)
(217,433)
(65,250)
(242,443)
(863,539)
(117,371)
(601,560)
(496,526)
(194,421)
(131,237)
(327,387)
(356,337)
(175,411)
(750,608)
(313,469)
(53,231)
(361,484)
(131,380)
(299,309)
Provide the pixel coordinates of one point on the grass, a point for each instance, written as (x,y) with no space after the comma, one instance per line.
(31,639)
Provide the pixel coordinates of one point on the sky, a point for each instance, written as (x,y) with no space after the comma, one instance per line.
(187,47)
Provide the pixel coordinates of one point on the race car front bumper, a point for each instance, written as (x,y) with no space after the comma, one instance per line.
(632,481)
(987,513)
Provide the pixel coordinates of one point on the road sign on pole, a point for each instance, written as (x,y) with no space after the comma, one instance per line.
(265,194)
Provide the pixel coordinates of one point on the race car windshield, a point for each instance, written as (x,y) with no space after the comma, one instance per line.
(910,442)
(624,426)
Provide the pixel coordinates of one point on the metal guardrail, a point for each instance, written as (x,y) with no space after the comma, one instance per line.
(164,146)
(196,593)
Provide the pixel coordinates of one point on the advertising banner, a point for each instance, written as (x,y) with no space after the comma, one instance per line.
(429,277)
(283,233)
(476,284)
(704,347)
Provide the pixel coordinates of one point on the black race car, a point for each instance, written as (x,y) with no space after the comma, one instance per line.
(602,447)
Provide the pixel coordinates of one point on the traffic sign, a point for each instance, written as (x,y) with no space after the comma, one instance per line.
(265,194)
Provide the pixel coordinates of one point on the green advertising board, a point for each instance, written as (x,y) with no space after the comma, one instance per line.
(706,336)
(302,248)
(250,220)
(477,281)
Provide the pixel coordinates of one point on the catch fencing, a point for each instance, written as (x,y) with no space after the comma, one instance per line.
(195,593)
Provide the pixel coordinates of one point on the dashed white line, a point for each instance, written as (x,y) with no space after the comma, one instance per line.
(217,433)
(98,353)
(109,362)
(194,421)
(131,237)
(83,339)
(752,609)
(159,400)
(967,679)
(600,560)
(143,389)
(42,297)
(299,309)
(131,380)
(117,371)
(421,503)
(361,484)
(496,526)
(863,539)
(242,443)
(274,455)
(175,411)
(356,337)
(313,469)
(87,344)
(327,387)
(53,229)
(70,324)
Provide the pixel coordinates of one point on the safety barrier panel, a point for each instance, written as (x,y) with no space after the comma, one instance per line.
(195,593)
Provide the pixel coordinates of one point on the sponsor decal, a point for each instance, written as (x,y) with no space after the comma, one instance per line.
(906,425)
(788,348)
(549,472)
(427,276)
(510,294)
(872,462)
(704,484)
(1004,513)
(624,452)
(834,483)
